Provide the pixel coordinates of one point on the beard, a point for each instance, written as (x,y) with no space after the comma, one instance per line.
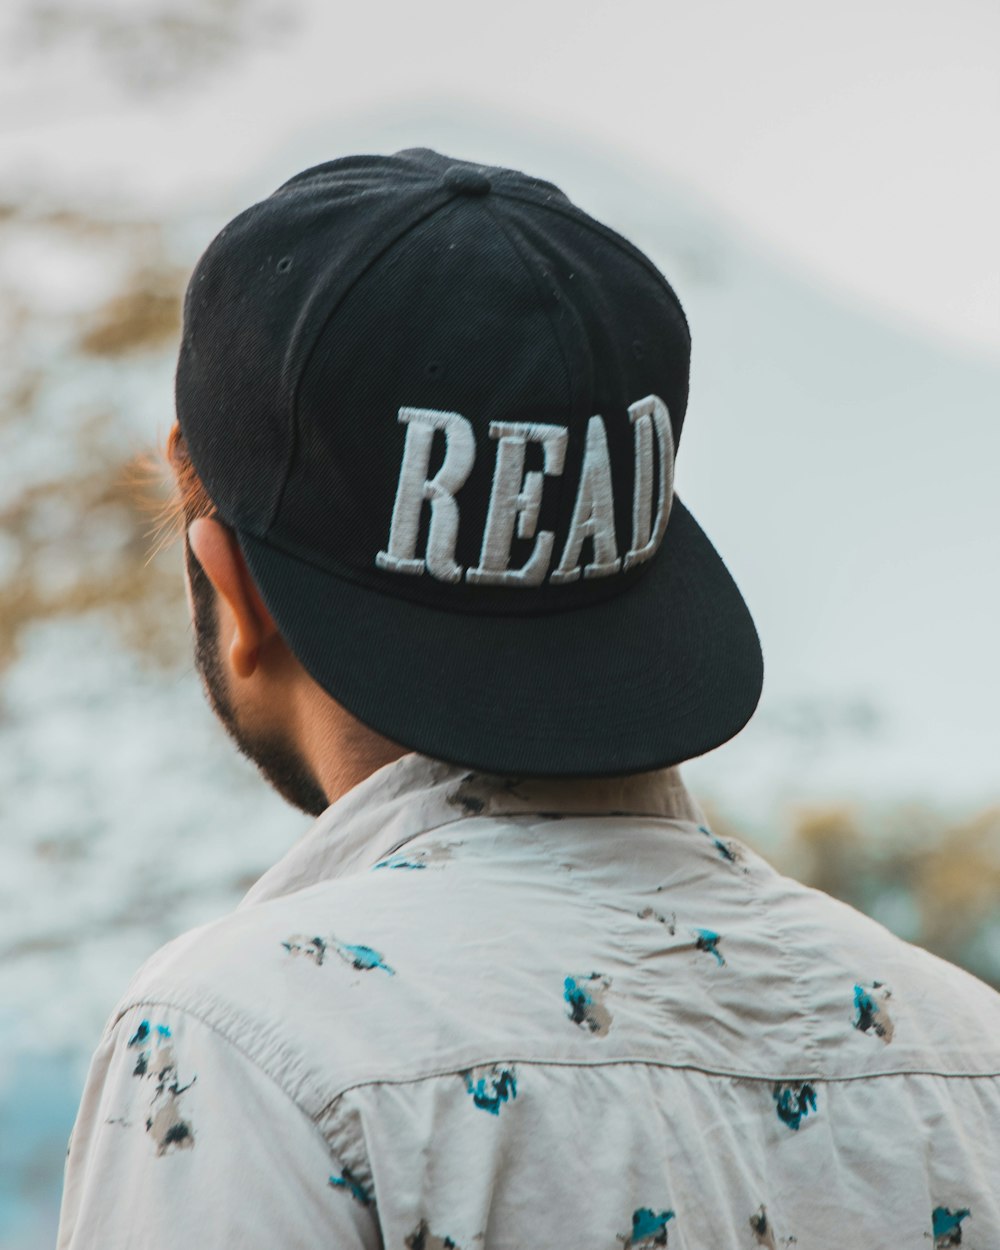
(280,764)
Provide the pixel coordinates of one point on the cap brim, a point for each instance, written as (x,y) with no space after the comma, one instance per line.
(666,670)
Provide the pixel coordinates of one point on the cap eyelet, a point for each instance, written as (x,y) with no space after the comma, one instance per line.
(284,264)
(434,370)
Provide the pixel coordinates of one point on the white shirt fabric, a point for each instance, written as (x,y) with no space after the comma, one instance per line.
(468,1013)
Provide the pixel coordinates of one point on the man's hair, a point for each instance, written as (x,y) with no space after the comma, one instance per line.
(189,499)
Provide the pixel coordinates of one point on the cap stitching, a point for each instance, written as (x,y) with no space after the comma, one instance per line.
(293,399)
(533,279)
(577,215)
(623,584)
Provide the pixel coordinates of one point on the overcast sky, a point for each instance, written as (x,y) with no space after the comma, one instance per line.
(857,140)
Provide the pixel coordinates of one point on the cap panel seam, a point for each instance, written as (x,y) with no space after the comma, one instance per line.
(580,218)
(307,353)
(540,293)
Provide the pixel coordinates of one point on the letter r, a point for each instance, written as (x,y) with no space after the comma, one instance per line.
(415,487)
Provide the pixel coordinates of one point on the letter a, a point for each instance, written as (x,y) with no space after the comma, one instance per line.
(415,487)
(593,513)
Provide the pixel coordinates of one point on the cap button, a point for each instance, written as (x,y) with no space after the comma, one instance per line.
(465,181)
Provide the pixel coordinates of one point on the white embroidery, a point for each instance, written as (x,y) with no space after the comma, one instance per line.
(516,496)
(645,415)
(415,487)
(593,513)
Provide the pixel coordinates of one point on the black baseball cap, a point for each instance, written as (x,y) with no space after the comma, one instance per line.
(440,405)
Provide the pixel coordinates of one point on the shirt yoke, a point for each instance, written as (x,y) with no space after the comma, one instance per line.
(580,942)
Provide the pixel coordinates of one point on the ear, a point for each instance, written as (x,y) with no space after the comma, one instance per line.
(217,550)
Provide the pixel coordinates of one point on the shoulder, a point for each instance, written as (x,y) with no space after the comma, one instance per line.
(937,1016)
(339,983)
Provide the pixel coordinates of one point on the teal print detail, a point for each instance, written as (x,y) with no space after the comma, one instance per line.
(707,940)
(585,995)
(140,1035)
(399,861)
(649,1229)
(155,1063)
(349,1182)
(725,852)
(491,1086)
(364,958)
(946,1226)
(793,1103)
(577,997)
(434,856)
(870,1012)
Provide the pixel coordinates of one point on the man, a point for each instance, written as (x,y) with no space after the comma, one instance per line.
(510,990)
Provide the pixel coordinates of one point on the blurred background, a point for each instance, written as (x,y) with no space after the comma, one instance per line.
(818,182)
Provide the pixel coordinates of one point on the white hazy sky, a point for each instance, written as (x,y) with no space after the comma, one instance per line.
(857,140)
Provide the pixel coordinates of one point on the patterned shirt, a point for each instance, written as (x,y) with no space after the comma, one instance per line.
(474,1013)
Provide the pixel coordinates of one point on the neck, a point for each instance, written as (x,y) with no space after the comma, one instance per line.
(341,751)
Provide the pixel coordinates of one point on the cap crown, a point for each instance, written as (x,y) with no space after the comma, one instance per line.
(439,380)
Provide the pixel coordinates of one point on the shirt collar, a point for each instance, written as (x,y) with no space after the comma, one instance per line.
(415,794)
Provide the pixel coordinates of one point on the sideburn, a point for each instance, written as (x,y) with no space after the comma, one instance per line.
(275,758)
